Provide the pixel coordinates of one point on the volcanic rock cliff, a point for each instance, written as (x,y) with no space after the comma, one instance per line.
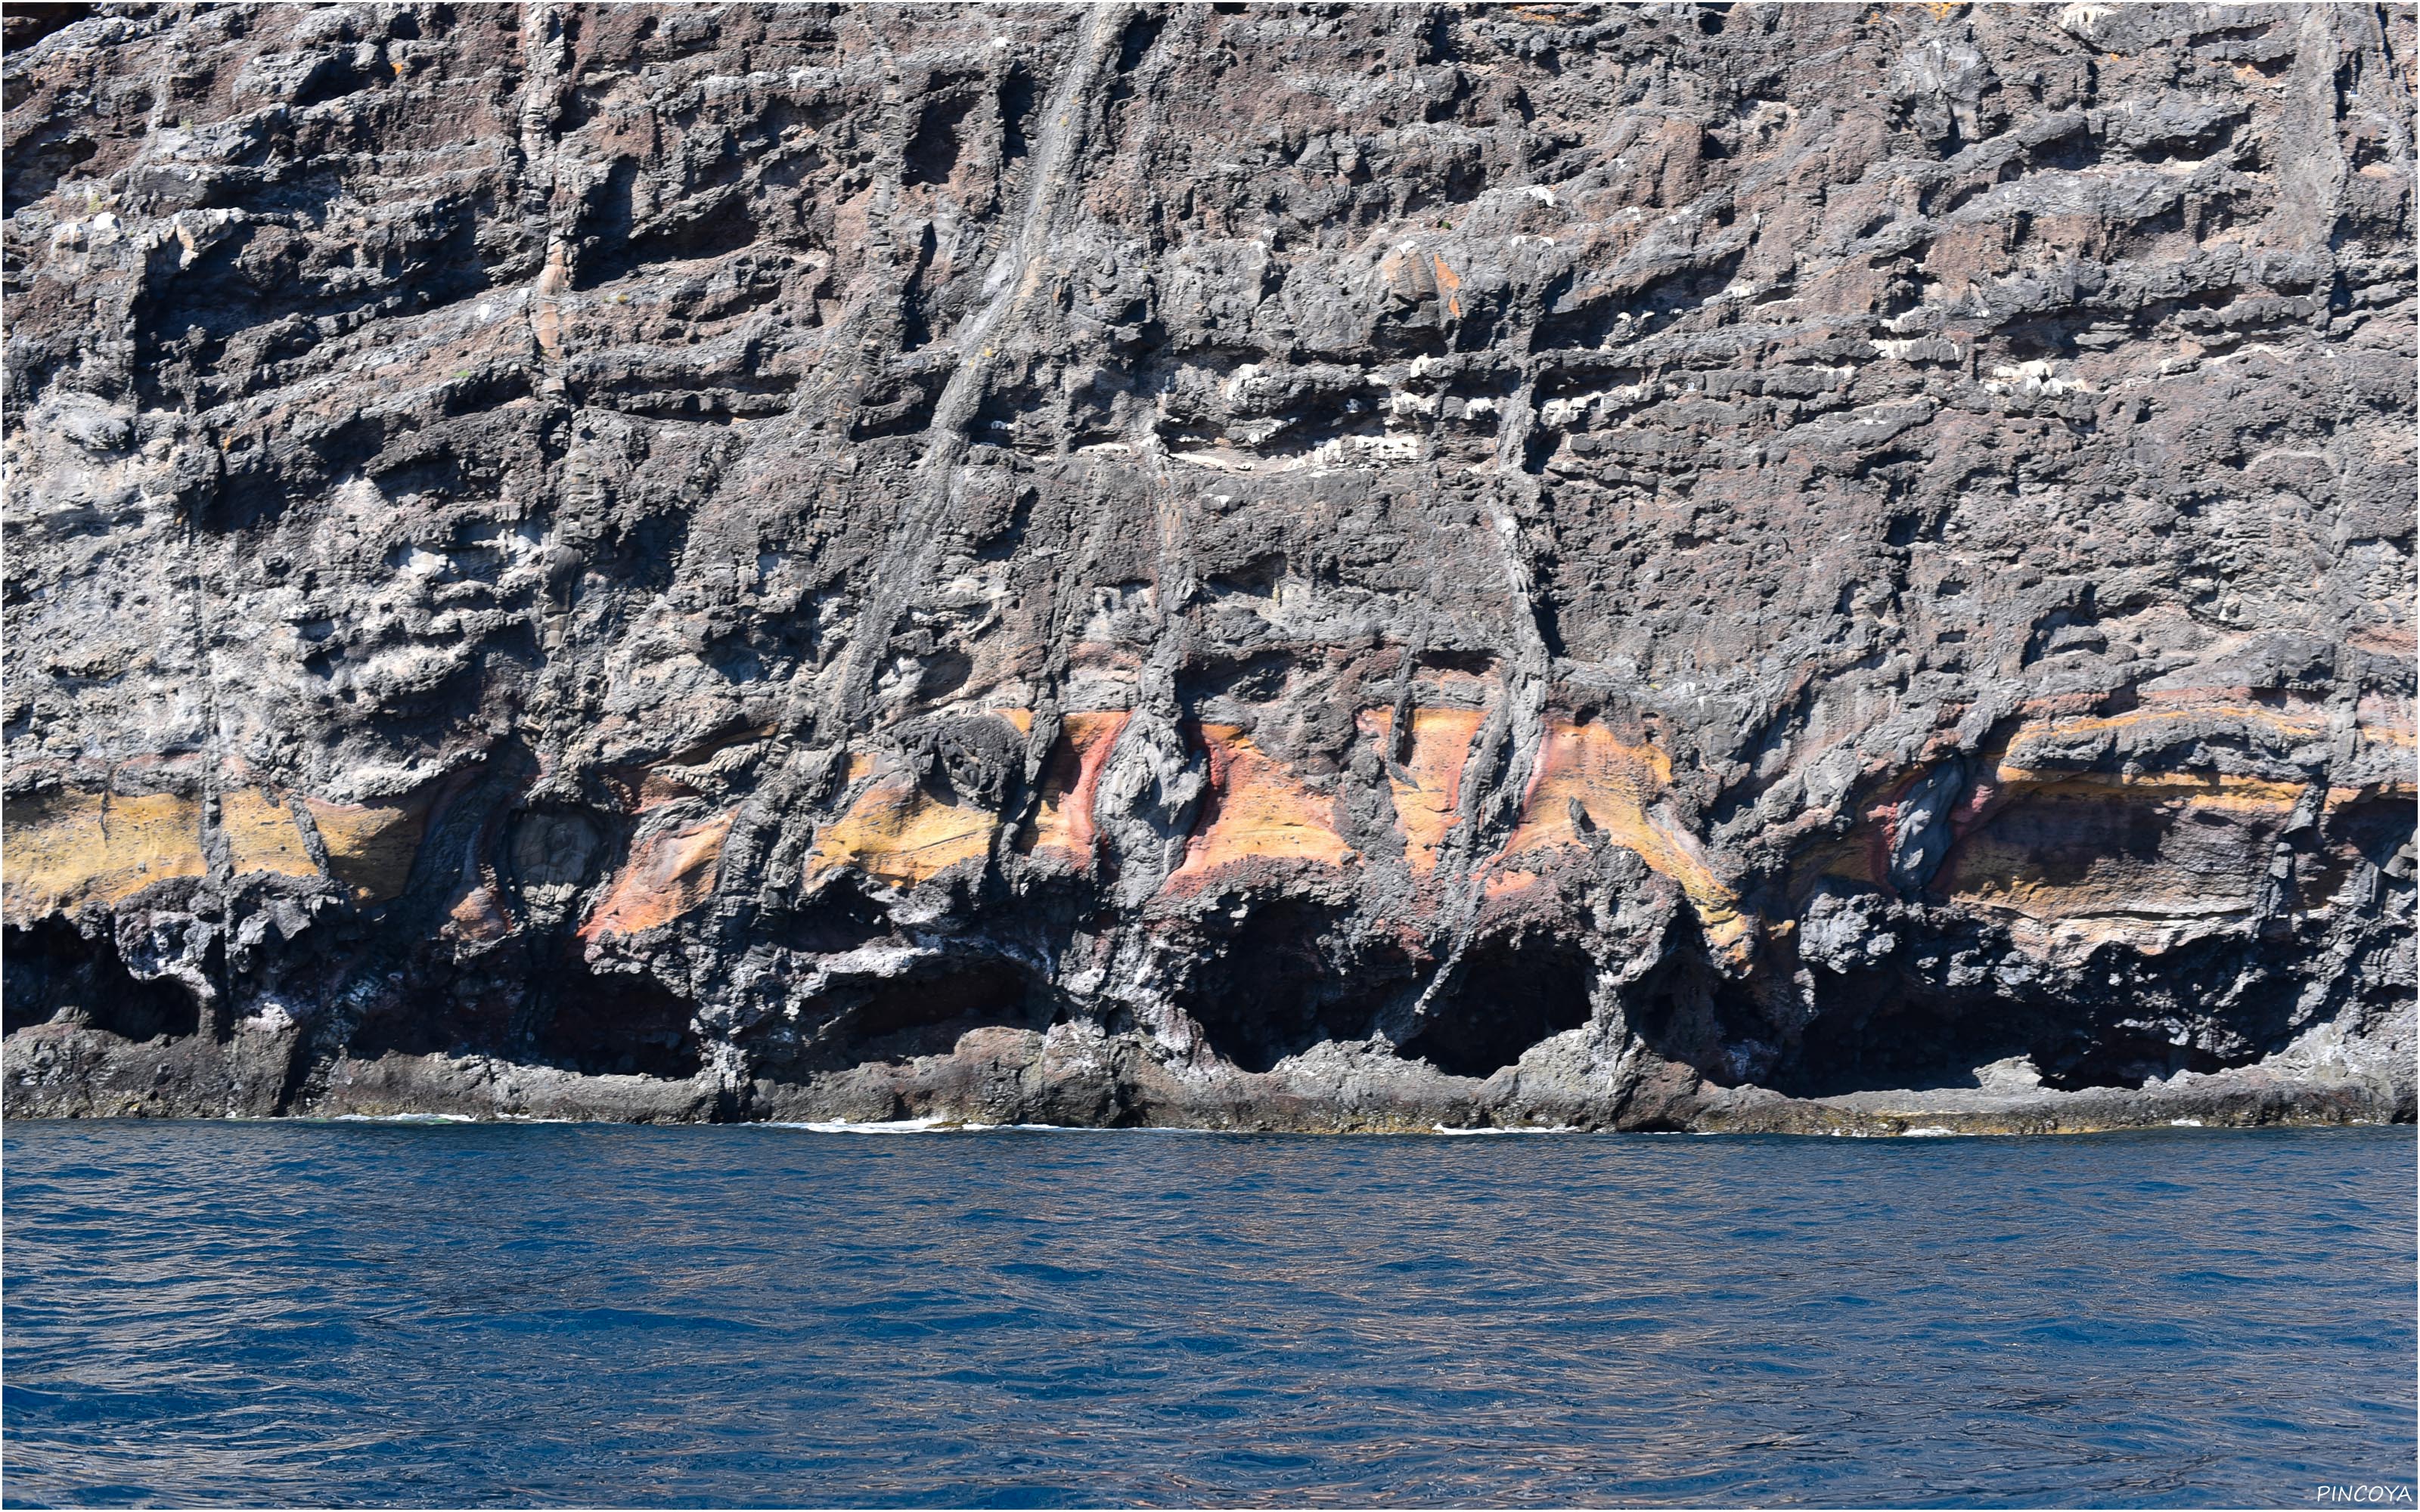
(1692,565)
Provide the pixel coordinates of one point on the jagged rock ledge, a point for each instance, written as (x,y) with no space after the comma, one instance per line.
(1078,1078)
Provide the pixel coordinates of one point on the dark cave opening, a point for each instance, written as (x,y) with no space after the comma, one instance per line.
(1872,1036)
(836,919)
(925,1015)
(932,151)
(2126,1056)
(1510,996)
(616,1024)
(435,1017)
(1284,981)
(48,970)
(1881,1031)
(569,1017)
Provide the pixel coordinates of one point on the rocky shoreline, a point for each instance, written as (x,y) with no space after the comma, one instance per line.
(1003,1077)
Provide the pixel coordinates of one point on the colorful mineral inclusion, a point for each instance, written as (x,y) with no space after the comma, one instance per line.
(1258,812)
(669,873)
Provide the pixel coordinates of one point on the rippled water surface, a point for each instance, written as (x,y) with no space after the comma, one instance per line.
(368,1313)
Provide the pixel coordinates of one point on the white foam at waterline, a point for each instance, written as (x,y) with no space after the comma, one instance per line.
(902,1126)
(891,1126)
(401,1118)
(909,1126)
(1931,1131)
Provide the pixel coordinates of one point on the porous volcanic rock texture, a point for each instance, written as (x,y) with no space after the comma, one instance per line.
(1721,566)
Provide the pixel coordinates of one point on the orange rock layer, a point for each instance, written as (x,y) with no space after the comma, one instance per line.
(2032,838)
(1427,785)
(897,831)
(65,848)
(1589,780)
(668,875)
(2121,855)
(1063,824)
(1257,811)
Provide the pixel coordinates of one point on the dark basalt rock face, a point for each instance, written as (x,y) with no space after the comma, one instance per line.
(1722,566)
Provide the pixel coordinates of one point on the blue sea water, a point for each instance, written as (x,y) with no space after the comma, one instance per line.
(355,1313)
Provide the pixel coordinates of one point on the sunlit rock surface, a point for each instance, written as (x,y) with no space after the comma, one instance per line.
(1833,567)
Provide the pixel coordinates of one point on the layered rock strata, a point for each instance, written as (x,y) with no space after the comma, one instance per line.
(1834,567)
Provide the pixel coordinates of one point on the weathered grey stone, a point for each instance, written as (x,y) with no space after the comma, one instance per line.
(1721,566)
